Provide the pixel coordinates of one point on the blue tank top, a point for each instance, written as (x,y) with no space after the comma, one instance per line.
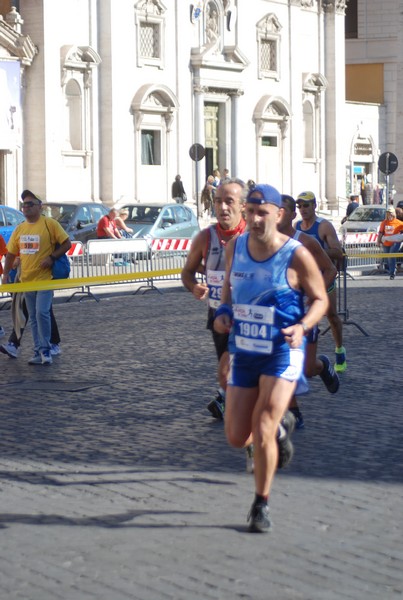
(262,299)
(314,230)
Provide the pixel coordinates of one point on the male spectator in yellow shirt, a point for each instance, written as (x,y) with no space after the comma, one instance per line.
(39,241)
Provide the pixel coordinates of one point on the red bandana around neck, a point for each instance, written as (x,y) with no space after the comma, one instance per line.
(227,234)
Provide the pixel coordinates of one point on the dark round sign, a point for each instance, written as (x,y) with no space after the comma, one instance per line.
(197,152)
(388,163)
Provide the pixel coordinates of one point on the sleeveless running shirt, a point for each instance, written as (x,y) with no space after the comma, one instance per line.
(215,268)
(262,299)
(314,230)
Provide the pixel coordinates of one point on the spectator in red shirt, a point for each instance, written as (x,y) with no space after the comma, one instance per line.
(107,227)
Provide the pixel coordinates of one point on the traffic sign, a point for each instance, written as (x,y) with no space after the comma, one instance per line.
(197,152)
(388,163)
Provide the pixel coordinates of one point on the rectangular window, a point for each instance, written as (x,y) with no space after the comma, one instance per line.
(150,147)
(149,40)
(351,20)
(269,140)
(365,83)
(268,55)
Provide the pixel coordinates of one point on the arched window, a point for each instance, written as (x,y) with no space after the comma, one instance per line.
(308,123)
(74,119)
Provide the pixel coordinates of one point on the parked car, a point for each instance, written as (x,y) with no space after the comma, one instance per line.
(366,218)
(156,221)
(9,219)
(78,219)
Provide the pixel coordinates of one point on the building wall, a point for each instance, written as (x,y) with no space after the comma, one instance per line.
(380,41)
(260,118)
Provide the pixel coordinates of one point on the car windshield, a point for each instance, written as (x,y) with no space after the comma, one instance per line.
(60,212)
(144,214)
(364,213)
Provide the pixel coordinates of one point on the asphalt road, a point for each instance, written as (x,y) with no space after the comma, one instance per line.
(117,484)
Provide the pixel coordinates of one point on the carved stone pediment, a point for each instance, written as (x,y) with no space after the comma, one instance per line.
(18,45)
(314,82)
(230,59)
(150,7)
(269,24)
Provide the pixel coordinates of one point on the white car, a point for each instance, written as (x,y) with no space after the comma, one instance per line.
(366,218)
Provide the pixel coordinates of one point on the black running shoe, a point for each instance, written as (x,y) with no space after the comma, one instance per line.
(285,445)
(259,518)
(299,419)
(217,407)
(329,375)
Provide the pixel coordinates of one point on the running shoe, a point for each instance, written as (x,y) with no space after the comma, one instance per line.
(55,349)
(250,464)
(2,332)
(217,406)
(36,359)
(285,445)
(259,518)
(10,349)
(328,375)
(46,357)
(340,365)
(299,419)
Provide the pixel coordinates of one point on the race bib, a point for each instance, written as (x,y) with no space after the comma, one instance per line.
(252,328)
(29,244)
(215,280)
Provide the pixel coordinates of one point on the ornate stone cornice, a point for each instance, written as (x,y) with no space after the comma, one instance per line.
(18,45)
(337,6)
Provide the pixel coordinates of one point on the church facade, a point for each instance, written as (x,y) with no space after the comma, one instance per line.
(104,100)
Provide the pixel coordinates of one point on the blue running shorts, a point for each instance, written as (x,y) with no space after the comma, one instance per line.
(246,369)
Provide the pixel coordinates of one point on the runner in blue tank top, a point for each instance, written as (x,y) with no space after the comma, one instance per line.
(262,307)
(325,233)
(314,365)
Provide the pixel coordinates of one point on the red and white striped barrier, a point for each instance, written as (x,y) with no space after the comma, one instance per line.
(77,249)
(361,238)
(165,244)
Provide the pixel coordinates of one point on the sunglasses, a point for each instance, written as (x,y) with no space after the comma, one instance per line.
(304,204)
(29,204)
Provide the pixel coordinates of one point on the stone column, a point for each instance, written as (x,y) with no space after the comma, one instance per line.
(334,52)
(235,124)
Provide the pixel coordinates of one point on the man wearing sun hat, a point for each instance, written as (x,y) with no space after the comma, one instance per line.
(325,233)
(262,309)
(390,226)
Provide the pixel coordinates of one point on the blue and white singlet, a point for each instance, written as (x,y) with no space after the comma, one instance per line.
(262,300)
(313,230)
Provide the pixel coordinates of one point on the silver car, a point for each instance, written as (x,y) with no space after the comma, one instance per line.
(366,218)
(161,221)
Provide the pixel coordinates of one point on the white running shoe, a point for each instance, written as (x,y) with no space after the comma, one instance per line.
(9,349)
(55,349)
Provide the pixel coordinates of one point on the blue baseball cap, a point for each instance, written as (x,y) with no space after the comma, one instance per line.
(269,195)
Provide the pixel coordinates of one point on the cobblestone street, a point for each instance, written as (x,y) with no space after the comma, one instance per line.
(116,483)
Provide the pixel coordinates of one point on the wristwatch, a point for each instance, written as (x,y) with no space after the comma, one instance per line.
(304,327)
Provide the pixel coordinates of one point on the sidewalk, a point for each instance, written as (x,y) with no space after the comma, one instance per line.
(116,484)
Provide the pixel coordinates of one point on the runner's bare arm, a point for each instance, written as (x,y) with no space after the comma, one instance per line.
(328,234)
(323,261)
(193,265)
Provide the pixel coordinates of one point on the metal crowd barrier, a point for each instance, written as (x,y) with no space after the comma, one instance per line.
(362,251)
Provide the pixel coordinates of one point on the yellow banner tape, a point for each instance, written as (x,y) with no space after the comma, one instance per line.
(61,284)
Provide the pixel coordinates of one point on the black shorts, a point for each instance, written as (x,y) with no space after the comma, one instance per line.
(220,339)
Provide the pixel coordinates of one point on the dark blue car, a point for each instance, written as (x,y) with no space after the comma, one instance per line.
(9,219)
